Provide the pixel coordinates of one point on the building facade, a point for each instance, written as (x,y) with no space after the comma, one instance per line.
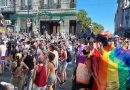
(7,8)
(52,16)
(122,18)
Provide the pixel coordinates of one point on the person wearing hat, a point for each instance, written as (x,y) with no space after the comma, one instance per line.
(18,69)
(40,74)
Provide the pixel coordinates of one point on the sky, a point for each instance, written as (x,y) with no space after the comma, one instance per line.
(100,11)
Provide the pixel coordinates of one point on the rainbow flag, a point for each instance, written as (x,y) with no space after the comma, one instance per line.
(111,69)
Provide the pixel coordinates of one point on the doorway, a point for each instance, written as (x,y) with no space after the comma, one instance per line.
(52,27)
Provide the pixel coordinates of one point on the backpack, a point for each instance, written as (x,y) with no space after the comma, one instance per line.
(69,56)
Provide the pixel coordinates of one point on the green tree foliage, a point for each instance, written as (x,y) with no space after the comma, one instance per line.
(96,28)
(82,16)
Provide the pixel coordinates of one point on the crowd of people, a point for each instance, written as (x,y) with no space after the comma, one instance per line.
(36,61)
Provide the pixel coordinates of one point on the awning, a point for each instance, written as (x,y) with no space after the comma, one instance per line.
(15,16)
(51,15)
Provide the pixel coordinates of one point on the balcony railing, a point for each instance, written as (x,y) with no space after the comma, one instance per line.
(57,6)
(54,6)
(25,7)
(7,9)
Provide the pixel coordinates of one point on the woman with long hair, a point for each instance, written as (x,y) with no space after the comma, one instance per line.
(64,64)
(51,76)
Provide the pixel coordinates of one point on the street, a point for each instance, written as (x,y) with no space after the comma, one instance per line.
(67,86)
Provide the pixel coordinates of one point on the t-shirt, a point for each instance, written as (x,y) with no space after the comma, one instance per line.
(3,50)
(29,61)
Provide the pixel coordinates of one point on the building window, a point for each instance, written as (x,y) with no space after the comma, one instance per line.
(3,2)
(26,4)
(59,4)
(42,4)
(72,3)
(50,4)
(127,2)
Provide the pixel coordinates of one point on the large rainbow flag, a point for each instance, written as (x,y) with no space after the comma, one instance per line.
(111,68)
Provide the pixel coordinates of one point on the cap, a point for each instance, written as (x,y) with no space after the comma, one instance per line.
(19,55)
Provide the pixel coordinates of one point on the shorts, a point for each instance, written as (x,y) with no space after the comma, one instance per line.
(51,80)
(64,64)
(35,87)
(2,58)
(80,85)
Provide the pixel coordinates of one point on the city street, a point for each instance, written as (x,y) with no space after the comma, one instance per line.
(44,42)
(67,86)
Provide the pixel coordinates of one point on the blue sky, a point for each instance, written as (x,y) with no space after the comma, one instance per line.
(101,11)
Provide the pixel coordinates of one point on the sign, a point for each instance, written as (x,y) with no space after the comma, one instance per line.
(8,22)
(29,22)
(45,17)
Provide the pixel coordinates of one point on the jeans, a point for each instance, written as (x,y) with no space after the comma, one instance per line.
(28,80)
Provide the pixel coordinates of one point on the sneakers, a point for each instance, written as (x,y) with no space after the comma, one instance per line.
(62,83)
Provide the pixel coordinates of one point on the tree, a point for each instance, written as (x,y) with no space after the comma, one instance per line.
(82,16)
(96,28)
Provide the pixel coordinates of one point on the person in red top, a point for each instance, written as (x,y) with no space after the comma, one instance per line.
(40,74)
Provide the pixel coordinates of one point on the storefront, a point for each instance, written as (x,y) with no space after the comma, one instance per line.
(50,22)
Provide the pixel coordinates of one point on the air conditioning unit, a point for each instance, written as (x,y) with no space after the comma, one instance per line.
(8,22)
(2,9)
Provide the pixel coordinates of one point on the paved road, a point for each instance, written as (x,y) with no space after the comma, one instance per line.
(67,86)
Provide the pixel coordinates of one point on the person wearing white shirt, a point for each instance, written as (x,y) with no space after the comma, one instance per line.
(2,57)
(52,49)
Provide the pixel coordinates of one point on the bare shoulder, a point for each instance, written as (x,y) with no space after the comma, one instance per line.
(50,65)
(22,63)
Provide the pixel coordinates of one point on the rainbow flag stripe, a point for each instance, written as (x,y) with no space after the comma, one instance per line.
(111,69)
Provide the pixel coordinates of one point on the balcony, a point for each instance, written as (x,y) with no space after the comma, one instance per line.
(72,10)
(7,9)
(25,7)
(54,6)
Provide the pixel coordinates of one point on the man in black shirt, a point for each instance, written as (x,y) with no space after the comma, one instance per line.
(30,62)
